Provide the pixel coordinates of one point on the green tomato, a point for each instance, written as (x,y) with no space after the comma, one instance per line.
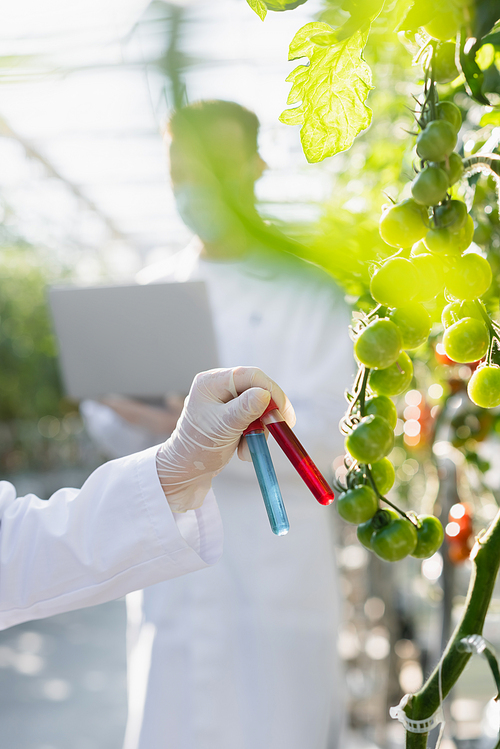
(419,248)
(395,541)
(366,530)
(370,440)
(443,63)
(484,386)
(430,536)
(445,242)
(437,141)
(403,224)
(466,340)
(430,186)
(470,277)
(393,380)
(395,283)
(444,25)
(430,271)
(452,214)
(414,322)
(465,235)
(379,344)
(383,474)
(357,505)
(454,169)
(446,110)
(381,405)
(455,311)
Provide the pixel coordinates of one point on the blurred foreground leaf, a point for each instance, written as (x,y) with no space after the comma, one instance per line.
(332,90)
(474,76)
(259,7)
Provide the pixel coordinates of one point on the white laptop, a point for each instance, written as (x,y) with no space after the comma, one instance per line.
(142,341)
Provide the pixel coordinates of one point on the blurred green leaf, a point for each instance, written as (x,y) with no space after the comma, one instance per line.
(362,12)
(473,74)
(418,15)
(283,4)
(259,7)
(486,14)
(332,91)
(490,118)
(492,39)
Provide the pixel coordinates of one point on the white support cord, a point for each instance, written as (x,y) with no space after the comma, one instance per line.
(471,644)
(426,724)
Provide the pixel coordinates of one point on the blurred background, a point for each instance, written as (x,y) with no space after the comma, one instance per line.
(86,87)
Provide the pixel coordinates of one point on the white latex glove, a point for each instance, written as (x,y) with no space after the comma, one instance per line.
(209,430)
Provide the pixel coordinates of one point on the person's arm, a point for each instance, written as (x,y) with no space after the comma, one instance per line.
(121,531)
(82,547)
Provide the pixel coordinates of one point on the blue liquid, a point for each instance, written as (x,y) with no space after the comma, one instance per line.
(268,482)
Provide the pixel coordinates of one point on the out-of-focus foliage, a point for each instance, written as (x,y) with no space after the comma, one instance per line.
(262,6)
(29,381)
(378,164)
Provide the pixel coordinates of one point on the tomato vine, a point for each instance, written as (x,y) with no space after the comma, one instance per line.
(429,260)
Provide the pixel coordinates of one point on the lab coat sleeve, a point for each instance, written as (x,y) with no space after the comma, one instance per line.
(82,547)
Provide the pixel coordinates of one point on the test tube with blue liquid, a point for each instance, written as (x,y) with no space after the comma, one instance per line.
(266,476)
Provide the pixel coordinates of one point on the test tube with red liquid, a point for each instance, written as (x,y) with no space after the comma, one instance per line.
(297,455)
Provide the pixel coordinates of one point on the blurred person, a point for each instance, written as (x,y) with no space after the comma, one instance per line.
(243,656)
(136,521)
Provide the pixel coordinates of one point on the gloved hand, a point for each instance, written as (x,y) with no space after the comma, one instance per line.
(219,407)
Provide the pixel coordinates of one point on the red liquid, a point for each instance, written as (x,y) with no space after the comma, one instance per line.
(301,461)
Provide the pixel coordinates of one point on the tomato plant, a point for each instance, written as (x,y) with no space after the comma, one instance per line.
(381,405)
(436,141)
(430,536)
(394,379)
(466,340)
(430,185)
(357,505)
(414,324)
(395,540)
(484,386)
(370,440)
(383,474)
(422,268)
(385,285)
(379,344)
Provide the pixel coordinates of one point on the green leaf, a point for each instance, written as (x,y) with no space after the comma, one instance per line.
(492,39)
(279,5)
(490,118)
(362,12)
(332,90)
(418,15)
(485,15)
(474,76)
(259,7)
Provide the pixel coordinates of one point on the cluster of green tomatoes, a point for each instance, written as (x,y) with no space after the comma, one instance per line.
(431,232)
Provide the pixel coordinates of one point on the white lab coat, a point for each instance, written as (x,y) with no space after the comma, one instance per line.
(85,546)
(243,656)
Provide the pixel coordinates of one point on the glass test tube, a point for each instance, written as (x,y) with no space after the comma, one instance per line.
(298,457)
(268,482)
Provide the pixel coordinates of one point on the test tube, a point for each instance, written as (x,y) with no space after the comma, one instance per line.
(266,476)
(297,455)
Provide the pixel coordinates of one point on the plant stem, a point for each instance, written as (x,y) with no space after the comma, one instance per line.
(485,558)
(381,497)
(362,392)
(493,333)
